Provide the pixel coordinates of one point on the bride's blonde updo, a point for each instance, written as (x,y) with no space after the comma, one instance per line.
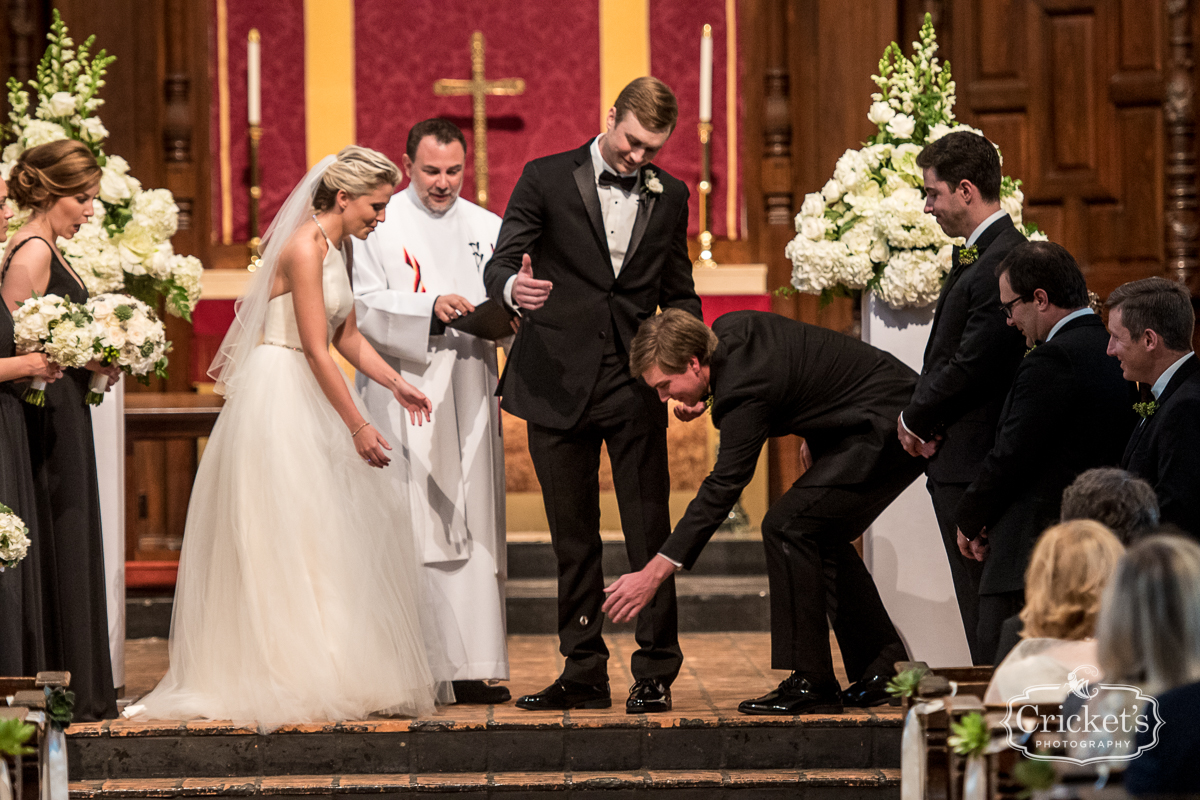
(49,171)
(357,171)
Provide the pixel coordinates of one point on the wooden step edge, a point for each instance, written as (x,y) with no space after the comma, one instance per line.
(466,782)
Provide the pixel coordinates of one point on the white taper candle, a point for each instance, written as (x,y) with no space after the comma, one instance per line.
(706,64)
(253,79)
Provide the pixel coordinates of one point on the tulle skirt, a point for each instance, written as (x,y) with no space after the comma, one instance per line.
(298,591)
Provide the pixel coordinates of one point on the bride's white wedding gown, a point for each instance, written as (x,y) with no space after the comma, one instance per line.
(297,598)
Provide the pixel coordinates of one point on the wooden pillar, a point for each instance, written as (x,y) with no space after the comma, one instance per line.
(1179,114)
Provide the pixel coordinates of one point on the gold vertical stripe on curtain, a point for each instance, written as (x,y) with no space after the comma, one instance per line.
(732,228)
(624,48)
(223,157)
(328,77)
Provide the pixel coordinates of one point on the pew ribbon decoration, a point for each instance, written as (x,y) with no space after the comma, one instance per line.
(14,734)
(969,738)
(60,709)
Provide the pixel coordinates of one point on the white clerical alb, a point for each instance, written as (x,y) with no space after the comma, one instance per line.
(457,481)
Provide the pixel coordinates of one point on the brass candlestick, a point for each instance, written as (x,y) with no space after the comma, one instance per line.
(705,188)
(255,195)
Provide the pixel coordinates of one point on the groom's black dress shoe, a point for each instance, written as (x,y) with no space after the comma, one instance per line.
(796,695)
(648,697)
(562,694)
(479,693)
(870,690)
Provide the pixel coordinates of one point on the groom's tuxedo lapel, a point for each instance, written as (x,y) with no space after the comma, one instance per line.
(640,222)
(585,179)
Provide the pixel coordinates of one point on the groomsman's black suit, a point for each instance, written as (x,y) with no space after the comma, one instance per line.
(568,376)
(969,364)
(771,376)
(1165,449)
(1069,410)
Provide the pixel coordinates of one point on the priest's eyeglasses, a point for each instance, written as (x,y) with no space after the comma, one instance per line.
(1007,308)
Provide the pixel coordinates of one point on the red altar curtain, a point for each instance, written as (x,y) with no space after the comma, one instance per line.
(281,153)
(675,29)
(402,48)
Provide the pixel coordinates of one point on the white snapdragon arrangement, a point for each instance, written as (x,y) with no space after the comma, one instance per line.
(14,538)
(867,227)
(129,335)
(126,246)
(57,327)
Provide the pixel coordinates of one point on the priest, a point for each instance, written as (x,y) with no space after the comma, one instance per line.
(422,269)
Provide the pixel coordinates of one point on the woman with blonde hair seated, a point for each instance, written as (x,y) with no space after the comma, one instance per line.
(1068,570)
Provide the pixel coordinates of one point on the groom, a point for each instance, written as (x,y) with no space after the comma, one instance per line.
(605,233)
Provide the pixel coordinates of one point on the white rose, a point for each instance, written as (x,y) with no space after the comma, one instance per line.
(813,228)
(881,113)
(832,190)
(813,206)
(12,152)
(93,130)
(40,131)
(135,247)
(114,188)
(159,263)
(61,104)
(1038,236)
(1012,207)
(117,165)
(902,126)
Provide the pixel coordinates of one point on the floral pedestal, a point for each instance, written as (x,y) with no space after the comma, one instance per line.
(903,549)
(108,430)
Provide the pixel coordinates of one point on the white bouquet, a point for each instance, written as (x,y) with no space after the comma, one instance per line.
(14,538)
(129,335)
(867,227)
(126,246)
(59,328)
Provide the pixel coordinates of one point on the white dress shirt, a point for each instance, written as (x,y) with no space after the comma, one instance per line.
(1082,312)
(618,210)
(1160,385)
(983,226)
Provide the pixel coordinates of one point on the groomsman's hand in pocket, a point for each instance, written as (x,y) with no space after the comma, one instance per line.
(528,292)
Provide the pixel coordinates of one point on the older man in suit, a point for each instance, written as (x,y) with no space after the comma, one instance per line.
(1151,324)
(766,375)
(972,354)
(1068,411)
(606,232)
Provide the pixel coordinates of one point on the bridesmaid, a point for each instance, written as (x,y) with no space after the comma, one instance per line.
(22,638)
(59,181)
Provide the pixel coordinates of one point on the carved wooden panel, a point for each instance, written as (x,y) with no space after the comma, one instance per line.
(1071,91)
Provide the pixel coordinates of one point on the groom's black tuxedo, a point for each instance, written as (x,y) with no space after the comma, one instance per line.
(568,376)
(771,376)
(1165,449)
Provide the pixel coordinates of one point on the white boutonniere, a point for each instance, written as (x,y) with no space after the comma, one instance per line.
(650,182)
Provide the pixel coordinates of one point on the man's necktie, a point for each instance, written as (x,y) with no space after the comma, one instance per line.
(626,183)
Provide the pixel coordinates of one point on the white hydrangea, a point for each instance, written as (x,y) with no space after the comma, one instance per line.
(72,340)
(40,131)
(155,211)
(32,320)
(914,277)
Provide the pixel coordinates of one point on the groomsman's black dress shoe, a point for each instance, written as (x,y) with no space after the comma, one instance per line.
(479,693)
(648,697)
(870,690)
(562,694)
(796,695)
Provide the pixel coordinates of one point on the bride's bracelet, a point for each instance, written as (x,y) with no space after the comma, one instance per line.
(359,428)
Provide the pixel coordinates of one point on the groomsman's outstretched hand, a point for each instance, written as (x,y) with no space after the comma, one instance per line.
(528,292)
(630,593)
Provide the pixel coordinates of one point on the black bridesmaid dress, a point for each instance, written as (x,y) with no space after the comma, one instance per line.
(22,639)
(63,457)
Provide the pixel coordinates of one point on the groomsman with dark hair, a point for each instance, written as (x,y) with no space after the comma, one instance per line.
(1151,323)
(1068,411)
(972,353)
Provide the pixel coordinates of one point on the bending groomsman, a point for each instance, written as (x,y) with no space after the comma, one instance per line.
(972,353)
(421,269)
(766,375)
(1151,324)
(605,232)
(1068,411)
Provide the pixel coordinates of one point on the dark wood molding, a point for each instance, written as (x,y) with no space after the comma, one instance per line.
(1179,117)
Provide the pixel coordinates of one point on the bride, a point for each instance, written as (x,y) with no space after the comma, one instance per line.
(297,593)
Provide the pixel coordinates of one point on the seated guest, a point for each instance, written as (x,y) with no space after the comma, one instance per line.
(1169,767)
(1123,503)
(1147,636)
(1068,570)
(1068,411)
(1151,323)
(765,375)
(1117,500)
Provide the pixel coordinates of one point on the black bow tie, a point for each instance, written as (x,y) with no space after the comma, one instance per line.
(625,183)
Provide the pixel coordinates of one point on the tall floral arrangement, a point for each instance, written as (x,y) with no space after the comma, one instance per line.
(867,228)
(126,247)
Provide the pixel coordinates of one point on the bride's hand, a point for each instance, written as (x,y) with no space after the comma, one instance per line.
(370,446)
(420,408)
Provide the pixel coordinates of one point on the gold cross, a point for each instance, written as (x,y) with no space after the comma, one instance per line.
(479,87)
